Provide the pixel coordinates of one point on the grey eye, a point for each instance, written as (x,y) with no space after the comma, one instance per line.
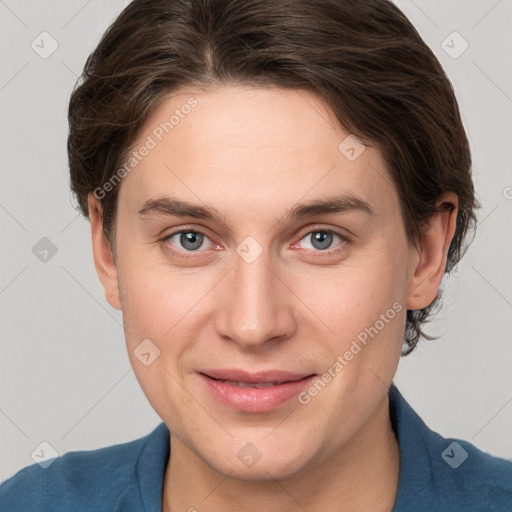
(320,239)
(189,240)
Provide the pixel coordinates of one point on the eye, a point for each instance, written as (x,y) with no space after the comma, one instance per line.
(321,239)
(188,240)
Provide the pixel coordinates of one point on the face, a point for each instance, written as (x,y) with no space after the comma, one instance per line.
(264,330)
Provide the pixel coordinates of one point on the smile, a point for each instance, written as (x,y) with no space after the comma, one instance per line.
(257,392)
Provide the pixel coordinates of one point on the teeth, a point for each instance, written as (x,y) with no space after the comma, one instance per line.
(257,385)
(263,384)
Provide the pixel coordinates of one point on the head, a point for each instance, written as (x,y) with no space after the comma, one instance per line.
(272,185)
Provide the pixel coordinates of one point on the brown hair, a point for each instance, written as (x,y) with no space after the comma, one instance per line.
(363,57)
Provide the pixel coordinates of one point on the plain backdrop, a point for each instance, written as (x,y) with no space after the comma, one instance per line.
(65,377)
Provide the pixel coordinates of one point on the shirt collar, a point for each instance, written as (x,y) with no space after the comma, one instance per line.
(415,440)
(151,468)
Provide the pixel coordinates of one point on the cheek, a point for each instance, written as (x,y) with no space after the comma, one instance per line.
(165,307)
(152,316)
(355,296)
(362,306)
(151,297)
(149,307)
(144,306)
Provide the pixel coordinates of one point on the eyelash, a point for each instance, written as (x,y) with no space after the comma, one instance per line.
(191,254)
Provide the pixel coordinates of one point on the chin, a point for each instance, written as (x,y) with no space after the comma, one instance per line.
(261,472)
(250,464)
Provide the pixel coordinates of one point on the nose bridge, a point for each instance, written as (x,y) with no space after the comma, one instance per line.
(255,310)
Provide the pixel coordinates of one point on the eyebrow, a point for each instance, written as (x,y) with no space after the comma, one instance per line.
(179,208)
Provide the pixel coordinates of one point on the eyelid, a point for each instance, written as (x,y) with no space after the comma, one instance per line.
(322,227)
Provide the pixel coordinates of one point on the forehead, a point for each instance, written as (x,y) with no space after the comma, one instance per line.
(264,148)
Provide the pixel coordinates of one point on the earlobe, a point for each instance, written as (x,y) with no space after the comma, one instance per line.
(103,258)
(428,260)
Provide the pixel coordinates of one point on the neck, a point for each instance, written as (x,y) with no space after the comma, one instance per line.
(363,475)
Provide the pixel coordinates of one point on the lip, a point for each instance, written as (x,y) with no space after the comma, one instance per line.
(249,399)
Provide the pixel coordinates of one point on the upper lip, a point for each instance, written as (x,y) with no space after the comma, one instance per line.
(277,376)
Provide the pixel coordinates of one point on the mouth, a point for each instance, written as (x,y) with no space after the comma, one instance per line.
(254,392)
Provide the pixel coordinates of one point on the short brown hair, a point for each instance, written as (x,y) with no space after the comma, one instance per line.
(363,57)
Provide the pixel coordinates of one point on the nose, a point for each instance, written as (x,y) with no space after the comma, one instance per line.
(255,307)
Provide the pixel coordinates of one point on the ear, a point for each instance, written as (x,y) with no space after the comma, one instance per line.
(428,260)
(103,258)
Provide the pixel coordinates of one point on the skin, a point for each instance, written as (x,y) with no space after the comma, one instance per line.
(253,154)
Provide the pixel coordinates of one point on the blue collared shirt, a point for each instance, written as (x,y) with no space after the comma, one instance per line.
(436,475)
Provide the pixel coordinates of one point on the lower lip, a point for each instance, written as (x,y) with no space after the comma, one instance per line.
(255,399)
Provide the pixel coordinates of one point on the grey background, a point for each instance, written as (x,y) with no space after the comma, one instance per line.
(65,377)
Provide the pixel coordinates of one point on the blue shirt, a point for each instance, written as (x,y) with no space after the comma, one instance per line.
(436,474)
